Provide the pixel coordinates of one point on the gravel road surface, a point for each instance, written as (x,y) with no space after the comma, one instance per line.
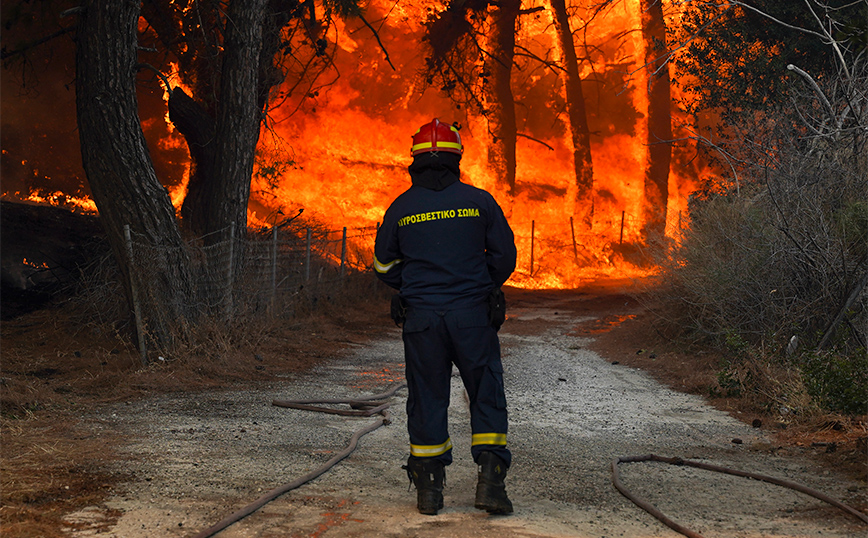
(194,459)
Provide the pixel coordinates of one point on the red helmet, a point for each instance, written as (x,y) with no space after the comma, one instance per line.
(436,136)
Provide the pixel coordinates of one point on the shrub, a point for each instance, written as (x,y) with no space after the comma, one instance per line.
(779,248)
(838,382)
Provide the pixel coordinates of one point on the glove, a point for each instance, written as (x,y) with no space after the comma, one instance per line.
(398,310)
(496,308)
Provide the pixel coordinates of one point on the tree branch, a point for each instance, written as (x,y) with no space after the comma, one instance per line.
(832,41)
(535,140)
(830,330)
(159,73)
(777,21)
(8,54)
(818,91)
(377,35)
(543,61)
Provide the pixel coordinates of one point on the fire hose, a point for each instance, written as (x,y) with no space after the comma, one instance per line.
(651,509)
(361,407)
(373,405)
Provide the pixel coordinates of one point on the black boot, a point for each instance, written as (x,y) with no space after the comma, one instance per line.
(490,489)
(428,477)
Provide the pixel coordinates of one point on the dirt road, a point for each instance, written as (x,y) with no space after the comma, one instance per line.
(196,459)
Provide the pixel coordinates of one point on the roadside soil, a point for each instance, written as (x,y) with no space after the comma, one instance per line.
(95,445)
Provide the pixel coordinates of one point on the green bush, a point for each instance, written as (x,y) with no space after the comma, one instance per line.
(838,382)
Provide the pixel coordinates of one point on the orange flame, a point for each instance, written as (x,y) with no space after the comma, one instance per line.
(57,198)
(340,150)
(34,265)
(348,162)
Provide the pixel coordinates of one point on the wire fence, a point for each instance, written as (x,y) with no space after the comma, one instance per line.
(548,249)
(271,271)
(262,271)
(266,266)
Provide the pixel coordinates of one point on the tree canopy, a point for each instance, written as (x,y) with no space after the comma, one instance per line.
(735,55)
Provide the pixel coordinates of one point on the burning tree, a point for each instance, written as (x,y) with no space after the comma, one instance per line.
(581,136)
(659,119)
(118,165)
(472,46)
(472,60)
(230,55)
(230,64)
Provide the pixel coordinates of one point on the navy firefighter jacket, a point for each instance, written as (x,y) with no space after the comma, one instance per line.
(444,248)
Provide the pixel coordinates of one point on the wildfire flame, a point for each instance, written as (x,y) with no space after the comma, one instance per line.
(349,163)
(34,265)
(341,152)
(83,204)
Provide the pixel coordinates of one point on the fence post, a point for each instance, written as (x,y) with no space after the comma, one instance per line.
(532,225)
(137,309)
(573,233)
(273,264)
(227,298)
(307,257)
(621,238)
(344,253)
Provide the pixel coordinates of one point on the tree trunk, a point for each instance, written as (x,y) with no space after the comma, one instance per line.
(119,168)
(221,120)
(582,162)
(238,120)
(197,127)
(659,120)
(189,40)
(499,101)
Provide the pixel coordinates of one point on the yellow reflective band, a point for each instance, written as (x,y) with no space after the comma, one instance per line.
(384,268)
(489,439)
(454,145)
(440,144)
(421,145)
(428,451)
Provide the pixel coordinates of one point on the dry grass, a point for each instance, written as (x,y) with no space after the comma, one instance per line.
(58,364)
(50,468)
(771,397)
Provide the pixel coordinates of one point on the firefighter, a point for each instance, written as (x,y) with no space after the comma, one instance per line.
(448,249)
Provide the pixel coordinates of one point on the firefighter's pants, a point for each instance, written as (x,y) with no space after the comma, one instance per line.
(433,341)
